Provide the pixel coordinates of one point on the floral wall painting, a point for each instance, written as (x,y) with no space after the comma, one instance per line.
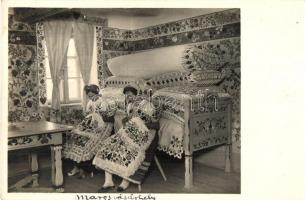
(22,86)
(41,65)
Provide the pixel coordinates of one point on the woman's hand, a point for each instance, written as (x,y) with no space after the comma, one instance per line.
(95,97)
(153,125)
(125,119)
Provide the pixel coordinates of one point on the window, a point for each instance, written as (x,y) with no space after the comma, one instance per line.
(71,87)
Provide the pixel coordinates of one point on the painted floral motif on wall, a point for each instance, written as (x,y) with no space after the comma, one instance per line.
(189,24)
(171,28)
(22,73)
(213,33)
(118,34)
(19,26)
(41,65)
(21,37)
(103,54)
(213,55)
(22,82)
(99,47)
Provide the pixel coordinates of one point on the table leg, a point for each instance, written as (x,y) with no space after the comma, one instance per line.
(228,158)
(34,168)
(57,176)
(188,171)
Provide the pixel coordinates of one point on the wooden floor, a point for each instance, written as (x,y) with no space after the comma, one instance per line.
(206,180)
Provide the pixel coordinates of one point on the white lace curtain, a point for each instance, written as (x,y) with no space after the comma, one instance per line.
(57,36)
(84,37)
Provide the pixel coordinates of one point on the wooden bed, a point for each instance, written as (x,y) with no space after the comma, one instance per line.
(206,125)
(201,115)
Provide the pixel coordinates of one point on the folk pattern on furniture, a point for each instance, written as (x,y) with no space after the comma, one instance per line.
(20,141)
(208,127)
(207,130)
(208,111)
(34,140)
(29,135)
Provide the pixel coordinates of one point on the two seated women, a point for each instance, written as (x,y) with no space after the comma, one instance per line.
(126,153)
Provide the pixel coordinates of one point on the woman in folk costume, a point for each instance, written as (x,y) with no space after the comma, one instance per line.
(85,139)
(128,152)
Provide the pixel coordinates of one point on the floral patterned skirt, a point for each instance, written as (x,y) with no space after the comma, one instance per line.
(124,152)
(139,176)
(82,146)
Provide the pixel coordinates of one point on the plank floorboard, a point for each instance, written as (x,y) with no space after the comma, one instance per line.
(206,179)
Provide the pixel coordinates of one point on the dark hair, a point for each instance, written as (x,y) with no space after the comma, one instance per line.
(130,89)
(92,88)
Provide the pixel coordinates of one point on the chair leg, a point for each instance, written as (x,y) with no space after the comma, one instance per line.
(139,187)
(160,168)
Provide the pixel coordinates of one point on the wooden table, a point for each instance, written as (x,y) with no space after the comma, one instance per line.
(31,135)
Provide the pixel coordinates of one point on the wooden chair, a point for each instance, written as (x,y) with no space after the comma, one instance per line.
(157,163)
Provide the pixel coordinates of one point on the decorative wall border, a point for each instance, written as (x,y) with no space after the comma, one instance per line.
(41,65)
(19,26)
(220,18)
(118,34)
(100,60)
(214,33)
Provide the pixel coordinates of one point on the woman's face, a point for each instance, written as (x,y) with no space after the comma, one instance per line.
(129,96)
(90,95)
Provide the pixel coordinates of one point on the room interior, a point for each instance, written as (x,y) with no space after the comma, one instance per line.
(123,40)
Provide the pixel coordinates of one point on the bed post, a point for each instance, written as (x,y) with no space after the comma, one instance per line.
(188,145)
